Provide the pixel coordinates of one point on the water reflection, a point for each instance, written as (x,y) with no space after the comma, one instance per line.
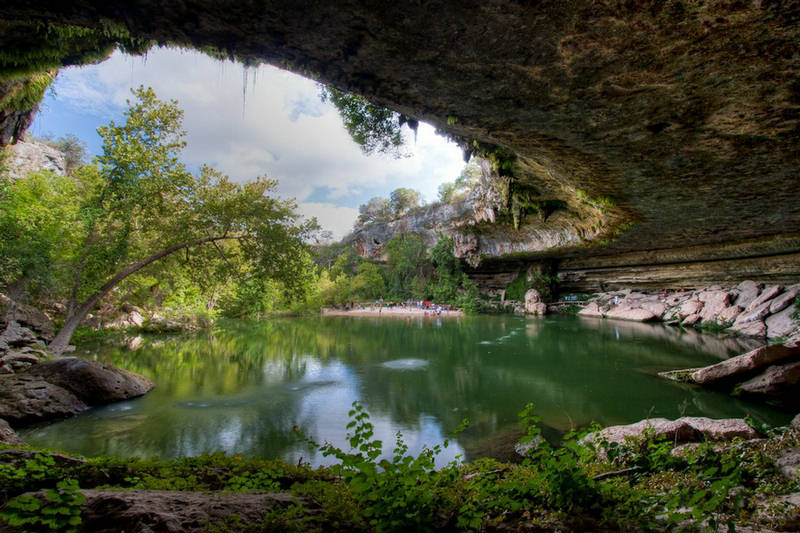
(241,387)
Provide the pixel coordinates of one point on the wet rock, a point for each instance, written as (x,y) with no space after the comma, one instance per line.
(92,382)
(177,512)
(25,399)
(626,313)
(748,292)
(777,381)
(781,324)
(8,437)
(686,429)
(745,364)
(591,310)
(752,329)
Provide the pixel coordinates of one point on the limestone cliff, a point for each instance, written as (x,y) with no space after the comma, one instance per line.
(668,131)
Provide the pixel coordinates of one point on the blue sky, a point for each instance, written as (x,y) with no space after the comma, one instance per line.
(248,123)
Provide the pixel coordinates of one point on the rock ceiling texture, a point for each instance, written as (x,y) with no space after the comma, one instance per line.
(663,125)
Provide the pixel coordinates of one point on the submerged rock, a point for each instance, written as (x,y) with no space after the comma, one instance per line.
(778,381)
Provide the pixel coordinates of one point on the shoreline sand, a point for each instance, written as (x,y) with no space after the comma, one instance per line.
(392,312)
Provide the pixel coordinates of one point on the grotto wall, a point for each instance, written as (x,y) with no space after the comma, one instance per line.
(668,129)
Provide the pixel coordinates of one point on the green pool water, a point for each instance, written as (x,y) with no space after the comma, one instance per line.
(243,386)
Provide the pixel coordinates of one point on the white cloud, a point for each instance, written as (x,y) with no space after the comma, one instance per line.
(278,127)
(334,218)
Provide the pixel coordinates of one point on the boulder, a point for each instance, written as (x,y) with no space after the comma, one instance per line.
(729,314)
(691,320)
(25,399)
(27,316)
(777,381)
(752,329)
(591,310)
(533,302)
(8,437)
(714,302)
(112,511)
(748,292)
(745,364)
(781,513)
(796,422)
(784,300)
(685,429)
(92,382)
(689,307)
(626,313)
(136,318)
(656,307)
(788,463)
(781,324)
(757,313)
(769,292)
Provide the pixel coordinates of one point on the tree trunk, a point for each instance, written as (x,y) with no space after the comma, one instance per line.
(61,340)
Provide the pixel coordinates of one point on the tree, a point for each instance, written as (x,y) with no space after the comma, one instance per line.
(377,209)
(407,265)
(403,199)
(142,206)
(373,128)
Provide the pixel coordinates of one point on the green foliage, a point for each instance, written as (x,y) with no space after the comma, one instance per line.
(26,94)
(138,205)
(544,283)
(397,494)
(56,510)
(39,218)
(373,128)
(407,266)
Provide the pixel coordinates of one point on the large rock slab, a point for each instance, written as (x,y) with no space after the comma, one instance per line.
(626,313)
(178,512)
(769,292)
(92,382)
(745,364)
(26,399)
(8,437)
(592,310)
(781,324)
(777,381)
(748,292)
(784,300)
(685,429)
(714,302)
(751,329)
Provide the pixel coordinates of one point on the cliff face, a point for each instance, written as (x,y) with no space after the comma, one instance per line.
(666,132)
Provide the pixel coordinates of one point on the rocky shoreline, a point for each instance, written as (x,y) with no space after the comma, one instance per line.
(750,308)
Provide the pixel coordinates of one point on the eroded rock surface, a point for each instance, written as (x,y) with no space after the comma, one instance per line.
(28,399)
(175,512)
(92,382)
(682,430)
(8,437)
